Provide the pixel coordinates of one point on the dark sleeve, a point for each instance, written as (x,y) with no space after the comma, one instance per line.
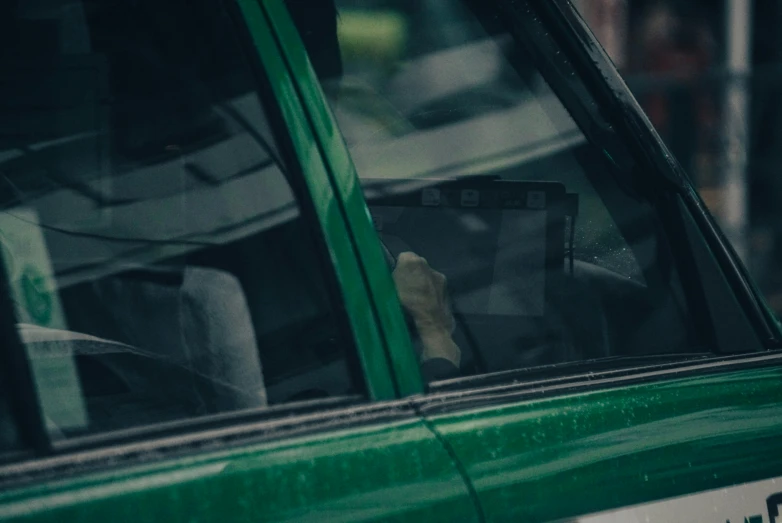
(437,369)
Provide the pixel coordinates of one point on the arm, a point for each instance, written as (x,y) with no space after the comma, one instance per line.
(422,292)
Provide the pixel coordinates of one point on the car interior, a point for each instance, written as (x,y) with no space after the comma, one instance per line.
(139,165)
(170,230)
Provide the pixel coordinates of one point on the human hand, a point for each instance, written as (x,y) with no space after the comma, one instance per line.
(422,292)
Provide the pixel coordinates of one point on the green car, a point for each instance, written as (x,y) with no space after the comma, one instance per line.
(372,260)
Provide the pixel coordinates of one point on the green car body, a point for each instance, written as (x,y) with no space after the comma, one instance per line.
(659,433)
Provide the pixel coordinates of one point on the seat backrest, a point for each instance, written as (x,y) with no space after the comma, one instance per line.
(198,319)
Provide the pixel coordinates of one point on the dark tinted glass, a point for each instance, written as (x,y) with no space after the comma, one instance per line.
(469,160)
(159,262)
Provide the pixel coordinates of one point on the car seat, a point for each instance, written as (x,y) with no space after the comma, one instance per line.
(196,318)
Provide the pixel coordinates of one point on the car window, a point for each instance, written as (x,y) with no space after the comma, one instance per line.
(160,263)
(547,252)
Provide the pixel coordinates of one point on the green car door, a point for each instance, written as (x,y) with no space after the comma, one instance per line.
(616,363)
(187,331)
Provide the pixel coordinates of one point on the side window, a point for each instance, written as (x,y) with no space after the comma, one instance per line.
(160,264)
(540,247)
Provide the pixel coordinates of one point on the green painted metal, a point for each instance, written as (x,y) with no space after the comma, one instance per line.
(395,472)
(547,459)
(348,189)
(369,341)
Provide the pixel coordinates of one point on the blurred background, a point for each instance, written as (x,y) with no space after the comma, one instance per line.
(709,75)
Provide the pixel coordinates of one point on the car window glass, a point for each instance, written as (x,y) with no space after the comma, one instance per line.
(470,161)
(159,263)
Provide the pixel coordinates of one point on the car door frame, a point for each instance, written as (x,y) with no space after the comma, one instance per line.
(342,173)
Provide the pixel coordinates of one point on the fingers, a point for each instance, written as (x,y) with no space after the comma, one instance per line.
(441,284)
(422,292)
(414,281)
